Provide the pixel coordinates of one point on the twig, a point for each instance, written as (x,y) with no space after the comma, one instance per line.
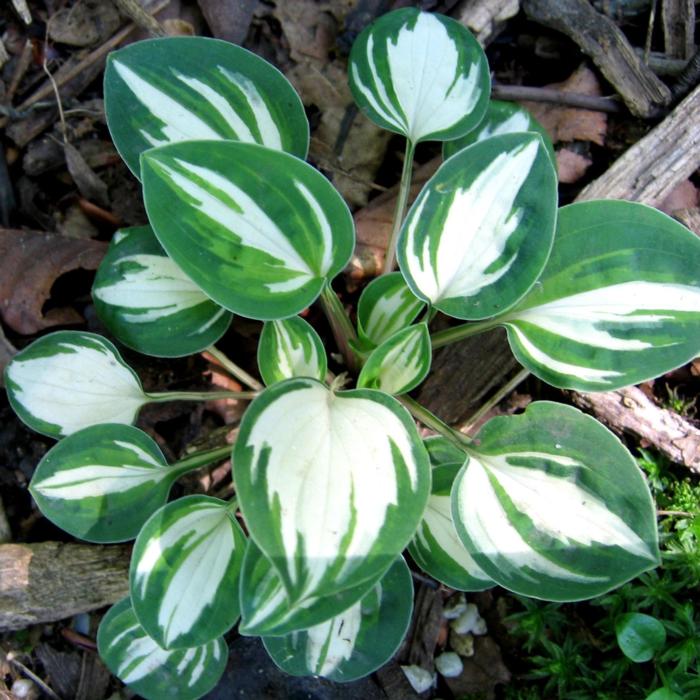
(22,10)
(566,99)
(676,513)
(689,78)
(45,67)
(650,31)
(139,16)
(79,67)
(25,59)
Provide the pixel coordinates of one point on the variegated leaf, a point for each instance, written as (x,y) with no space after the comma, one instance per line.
(258,230)
(551,505)
(266,609)
(102,483)
(400,363)
(357,641)
(500,118)
(332,485)
(184,572)
(386,306)
(290,348)
(70,380)
(436,548)
(617,303)
(182,88)
(151,671)
(442,451)
(149,303)
(421,75)
(480,232)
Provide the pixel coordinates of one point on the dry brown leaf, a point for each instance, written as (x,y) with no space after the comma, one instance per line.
(87,181)
(227,19)
(84,23)
(482,672)
(565,124)
(30,263)
(684,195)
(571,166)
(345,144)
(689,218)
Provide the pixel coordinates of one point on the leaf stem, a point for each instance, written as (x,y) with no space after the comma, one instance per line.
(200,459)
(497,397)
(343,330)
(401,202)
(465,330)
(232,506)
(161,396)
(233,369)
(431,421)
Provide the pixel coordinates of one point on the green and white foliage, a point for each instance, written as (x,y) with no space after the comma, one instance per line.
(421,75)
(480,232)
(290,348)
(184,572)
(267,611)
(183,88)
(355,642)
(618,302)
(386,306)
(102,483)
(400,363)
(436,548)
(551,505)
(442,451)
(332,485)
(149,303)
(258,230)
(70,380)
(151,671)
(500,118)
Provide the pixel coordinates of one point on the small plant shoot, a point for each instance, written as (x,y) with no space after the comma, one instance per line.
(331,480)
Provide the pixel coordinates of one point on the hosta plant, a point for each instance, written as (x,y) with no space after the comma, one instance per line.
(333,482)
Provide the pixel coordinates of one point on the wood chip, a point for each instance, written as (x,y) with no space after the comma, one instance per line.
(48,581)
(600,38)
(629,410)
(648,171)
(679,27)
(486,18)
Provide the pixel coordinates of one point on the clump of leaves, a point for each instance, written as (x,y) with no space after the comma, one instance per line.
(333,484)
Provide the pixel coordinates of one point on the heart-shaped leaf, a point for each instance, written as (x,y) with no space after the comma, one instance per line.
(153,672)
(70,380)
(421,75)
(182,88)
(386,306)
(400,363)
(436,548)
(258,230)
(618,302)
(266,609)
(184,572)
(355,642)
(290,348)
(149,303)
(552,506)
(480,232)
(500,118)
(103,482)
(332,485)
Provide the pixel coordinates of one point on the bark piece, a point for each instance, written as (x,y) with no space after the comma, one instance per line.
(607,46)
(629,410)
(486,18)
(48,581)
(425,628)
(464,373)
(648,171)
(679,27)
(30,263)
